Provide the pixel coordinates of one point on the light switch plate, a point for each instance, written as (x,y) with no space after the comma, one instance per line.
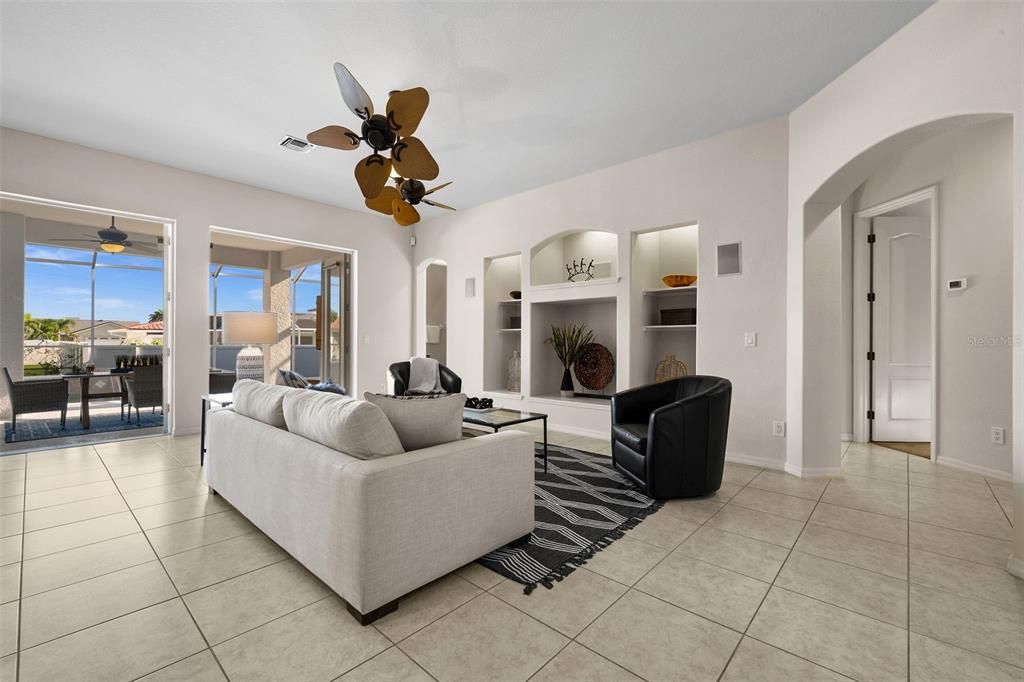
(750,339)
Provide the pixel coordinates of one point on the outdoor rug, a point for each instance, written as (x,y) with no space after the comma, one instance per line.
(582,506)
(38,429)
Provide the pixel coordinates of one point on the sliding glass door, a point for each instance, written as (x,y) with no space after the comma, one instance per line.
(335,319)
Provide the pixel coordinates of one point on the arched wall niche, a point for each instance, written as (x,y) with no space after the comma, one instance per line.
(549,258)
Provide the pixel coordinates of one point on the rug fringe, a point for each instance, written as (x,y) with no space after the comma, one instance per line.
(587,553)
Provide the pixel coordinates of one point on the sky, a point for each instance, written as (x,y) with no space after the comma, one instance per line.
(57,290)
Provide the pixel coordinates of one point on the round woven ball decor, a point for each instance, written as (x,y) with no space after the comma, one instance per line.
(594,367)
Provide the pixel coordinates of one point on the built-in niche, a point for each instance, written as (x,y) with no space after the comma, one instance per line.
(503,320)
(664,319)
(574,257)
(598,314)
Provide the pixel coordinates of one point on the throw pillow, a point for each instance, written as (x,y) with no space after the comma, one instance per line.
(328,386)
(293,379)
(423,421)
(260,401)
(355,427)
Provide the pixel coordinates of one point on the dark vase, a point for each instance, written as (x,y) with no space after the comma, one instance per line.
(566,389)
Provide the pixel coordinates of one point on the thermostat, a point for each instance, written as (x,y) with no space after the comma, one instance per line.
(956,284)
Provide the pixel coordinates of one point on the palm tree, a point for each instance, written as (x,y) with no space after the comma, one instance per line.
(157,315)
(47,328)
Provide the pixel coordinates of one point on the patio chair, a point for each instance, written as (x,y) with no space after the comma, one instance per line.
(36,395)
(145,389)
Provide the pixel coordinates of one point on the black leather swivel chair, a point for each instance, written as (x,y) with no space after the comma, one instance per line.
(450,381)
(669,438)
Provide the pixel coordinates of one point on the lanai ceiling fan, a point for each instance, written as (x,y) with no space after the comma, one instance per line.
(390,133)
(113,240)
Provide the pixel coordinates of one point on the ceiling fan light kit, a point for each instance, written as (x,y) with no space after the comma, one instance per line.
(392,134)
(113,240)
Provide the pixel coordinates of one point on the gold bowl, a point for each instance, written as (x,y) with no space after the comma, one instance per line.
(679,280)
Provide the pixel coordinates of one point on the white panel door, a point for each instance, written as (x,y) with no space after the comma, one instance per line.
(902,330)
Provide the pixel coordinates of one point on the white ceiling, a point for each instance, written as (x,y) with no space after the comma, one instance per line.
(522,94)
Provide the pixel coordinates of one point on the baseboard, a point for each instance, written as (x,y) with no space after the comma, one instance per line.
(974,468)
(811,472)
(576,431)
(192,431)
(761,462)
(846,437)
(1015,566)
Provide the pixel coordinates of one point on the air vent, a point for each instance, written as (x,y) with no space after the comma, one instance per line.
(296,144)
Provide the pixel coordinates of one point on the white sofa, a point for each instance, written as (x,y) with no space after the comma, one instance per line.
(372,529)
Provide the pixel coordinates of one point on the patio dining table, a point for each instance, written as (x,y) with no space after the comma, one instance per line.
(85,379)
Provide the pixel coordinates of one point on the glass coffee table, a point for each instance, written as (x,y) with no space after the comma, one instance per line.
(500,418)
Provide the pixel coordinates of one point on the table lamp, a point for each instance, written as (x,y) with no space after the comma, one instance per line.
(253,330)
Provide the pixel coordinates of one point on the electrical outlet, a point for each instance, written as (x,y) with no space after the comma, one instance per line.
(998,435)
(779,429)
(750,339)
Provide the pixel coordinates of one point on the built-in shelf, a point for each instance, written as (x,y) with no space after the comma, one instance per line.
(571,285)
(668,327)
(578,401)
(499,393)
(509,331)
(670,291)
(510,301)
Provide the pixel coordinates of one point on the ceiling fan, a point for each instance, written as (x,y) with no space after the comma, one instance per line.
(390,133)
(400,201)
(113,240)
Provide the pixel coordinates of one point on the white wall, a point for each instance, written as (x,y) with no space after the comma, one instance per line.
(42,167)
(12,301)
(732,185)
(973,169)
(955,59)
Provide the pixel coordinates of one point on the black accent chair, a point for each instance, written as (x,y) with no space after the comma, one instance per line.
(145,389)
(669,438)
(36,395)
(450,381)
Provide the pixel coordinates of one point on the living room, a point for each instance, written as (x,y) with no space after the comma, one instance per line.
(599,273)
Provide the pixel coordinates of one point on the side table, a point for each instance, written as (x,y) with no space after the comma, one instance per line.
(210,399)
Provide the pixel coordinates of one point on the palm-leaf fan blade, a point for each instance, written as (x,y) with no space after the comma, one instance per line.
(372,174)
(405,213)
(352,92)
(382,203)
(437,204)
(441,186)
(406,109)
(412,160)
(335,137)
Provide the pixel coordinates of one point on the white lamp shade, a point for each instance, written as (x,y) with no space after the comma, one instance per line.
(249,327)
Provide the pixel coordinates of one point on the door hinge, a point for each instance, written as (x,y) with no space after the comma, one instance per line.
(871,355)
(871,297)
(871,238)
(871,414)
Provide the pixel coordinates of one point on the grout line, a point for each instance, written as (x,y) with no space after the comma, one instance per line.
(908,570)
(998,503)
(21,587)
(175,586)
(97,623)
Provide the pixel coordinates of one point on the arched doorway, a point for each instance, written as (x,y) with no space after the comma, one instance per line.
(430,336)
(816,401)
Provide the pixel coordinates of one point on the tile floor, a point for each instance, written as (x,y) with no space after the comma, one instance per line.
(116,563)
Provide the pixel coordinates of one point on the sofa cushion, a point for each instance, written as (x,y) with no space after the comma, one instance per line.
(423,421)
(355,427)
(260,401)
(633,435)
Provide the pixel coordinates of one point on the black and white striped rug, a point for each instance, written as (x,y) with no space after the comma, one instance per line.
(582,506)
